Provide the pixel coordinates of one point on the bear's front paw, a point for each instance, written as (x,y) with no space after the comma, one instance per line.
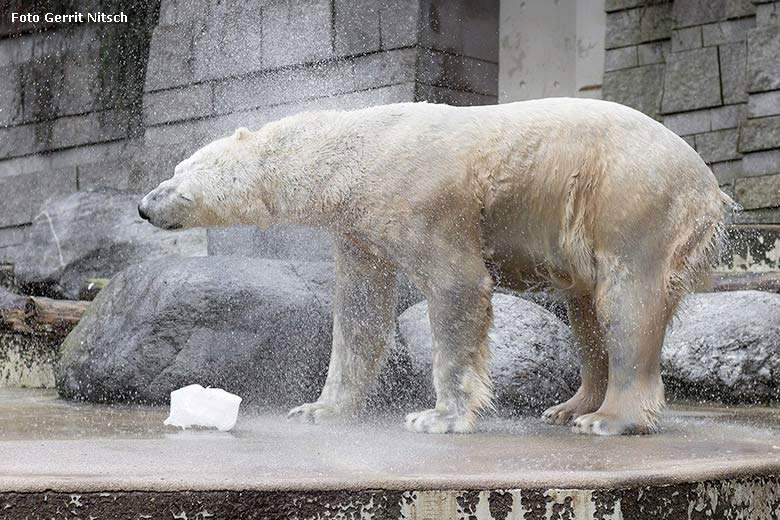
(559,414)
(436,421)
(566,412)
(314,413)
(603,424)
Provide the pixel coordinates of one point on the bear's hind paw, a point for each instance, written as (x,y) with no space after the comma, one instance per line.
(602,424)
(567,412)
(435,421)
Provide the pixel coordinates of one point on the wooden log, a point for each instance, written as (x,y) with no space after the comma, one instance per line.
(34,315)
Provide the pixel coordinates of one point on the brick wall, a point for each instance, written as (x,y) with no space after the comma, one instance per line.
(87,106)
(710,71)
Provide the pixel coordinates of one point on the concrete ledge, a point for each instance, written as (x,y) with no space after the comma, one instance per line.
(71,460)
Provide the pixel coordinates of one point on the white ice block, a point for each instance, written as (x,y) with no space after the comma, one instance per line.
(194,405)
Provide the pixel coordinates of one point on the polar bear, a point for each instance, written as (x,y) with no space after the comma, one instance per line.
(590,196)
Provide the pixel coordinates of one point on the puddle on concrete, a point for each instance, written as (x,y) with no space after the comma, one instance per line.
(42,435)
(40,414)
(33,413)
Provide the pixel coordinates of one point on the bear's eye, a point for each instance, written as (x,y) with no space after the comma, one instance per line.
(185,197)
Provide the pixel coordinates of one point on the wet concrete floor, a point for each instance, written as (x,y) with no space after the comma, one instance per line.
(50,444)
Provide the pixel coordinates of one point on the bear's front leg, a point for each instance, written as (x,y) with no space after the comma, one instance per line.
(460,311)
(363,327)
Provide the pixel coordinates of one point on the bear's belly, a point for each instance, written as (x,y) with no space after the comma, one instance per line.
(519,261)
(522,231)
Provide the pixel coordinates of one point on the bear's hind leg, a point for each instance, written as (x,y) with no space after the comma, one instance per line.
(460,313)
(631,308)
(363,327)
(594,363)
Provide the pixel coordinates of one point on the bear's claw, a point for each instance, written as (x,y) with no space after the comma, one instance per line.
(601,424)
(435,421)
(313,413)
(558,415)
(570,410)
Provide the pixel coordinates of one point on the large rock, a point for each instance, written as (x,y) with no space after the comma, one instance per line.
(533,360)
(259,328)
(262,329)
(93,235)
(550,300)
(725,347)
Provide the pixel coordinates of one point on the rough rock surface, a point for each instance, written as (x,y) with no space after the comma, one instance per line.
(549,300)
(533,363)
(258,328)
(262,329)
(725,347)
(93,235)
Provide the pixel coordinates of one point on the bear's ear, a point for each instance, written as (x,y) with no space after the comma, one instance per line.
(242,133)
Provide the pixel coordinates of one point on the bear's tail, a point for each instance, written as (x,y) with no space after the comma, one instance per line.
(694,258)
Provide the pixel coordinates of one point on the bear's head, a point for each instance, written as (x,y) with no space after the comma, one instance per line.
(211,188)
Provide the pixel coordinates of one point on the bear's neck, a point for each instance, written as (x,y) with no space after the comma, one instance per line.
(314,174)
(308,203)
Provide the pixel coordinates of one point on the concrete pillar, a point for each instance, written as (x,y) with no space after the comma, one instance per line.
(550,48)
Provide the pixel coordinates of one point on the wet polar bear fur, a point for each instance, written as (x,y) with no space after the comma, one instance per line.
(592,197)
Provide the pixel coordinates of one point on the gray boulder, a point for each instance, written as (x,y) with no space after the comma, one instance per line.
(259,328)
(533,360)
(93,235)
(725,347)
(550,300)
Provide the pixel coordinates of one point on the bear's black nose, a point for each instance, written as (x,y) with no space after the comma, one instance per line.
(142,213)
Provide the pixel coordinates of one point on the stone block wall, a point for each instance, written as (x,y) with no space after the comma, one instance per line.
(211,71)
(710,71)
(87,106)
(70,105)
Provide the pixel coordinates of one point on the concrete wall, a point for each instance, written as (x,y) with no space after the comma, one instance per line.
(89,106)
(709,70)
(551,49)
